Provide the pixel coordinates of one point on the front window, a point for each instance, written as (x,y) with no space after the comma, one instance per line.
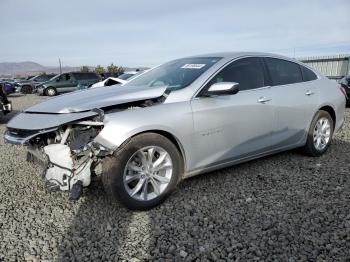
(60,78)
(64,77)
(247,72)
(175,74)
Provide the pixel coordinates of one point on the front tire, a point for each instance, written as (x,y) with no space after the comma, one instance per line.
(143,172)
(50,91)
(320,134)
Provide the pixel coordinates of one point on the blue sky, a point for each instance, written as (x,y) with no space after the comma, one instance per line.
(146,33)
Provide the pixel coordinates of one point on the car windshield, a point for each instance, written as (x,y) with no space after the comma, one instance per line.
(175,74)
(55,77)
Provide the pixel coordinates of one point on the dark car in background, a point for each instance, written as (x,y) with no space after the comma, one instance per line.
(8,86)
(106,75)
(5,104)
(345,83)
(67,82)
(28,86)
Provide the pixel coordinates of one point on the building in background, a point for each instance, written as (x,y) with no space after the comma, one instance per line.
(333,66)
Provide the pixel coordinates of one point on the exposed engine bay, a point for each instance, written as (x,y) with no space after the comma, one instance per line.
(69,156)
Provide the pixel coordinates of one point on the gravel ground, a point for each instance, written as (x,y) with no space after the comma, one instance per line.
(286,207)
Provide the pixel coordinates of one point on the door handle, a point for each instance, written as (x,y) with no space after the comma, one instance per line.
(309,93)
(263,99)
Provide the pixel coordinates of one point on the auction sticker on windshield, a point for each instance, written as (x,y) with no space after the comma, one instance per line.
(193,66)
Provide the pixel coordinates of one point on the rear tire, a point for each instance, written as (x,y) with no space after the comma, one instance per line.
(128,170)
(27,89)
(320,134)
(50,91)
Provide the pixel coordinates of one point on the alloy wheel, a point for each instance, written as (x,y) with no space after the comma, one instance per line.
(322,133)
(148,173)
(51,92)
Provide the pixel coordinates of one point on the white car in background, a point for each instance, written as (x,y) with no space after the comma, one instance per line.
(122,79)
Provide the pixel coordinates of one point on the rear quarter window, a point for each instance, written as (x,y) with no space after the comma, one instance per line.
(283,72)
(308,75)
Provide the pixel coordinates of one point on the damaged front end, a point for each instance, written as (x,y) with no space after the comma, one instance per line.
(68,154)
(60,135)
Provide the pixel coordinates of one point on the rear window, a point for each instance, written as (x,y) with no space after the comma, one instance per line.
(308,75)
(85,76)
(283,72)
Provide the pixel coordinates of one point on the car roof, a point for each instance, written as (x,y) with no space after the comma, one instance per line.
(232,55)
(77,72)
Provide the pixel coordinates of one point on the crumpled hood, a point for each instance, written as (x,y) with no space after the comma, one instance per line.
(88,99)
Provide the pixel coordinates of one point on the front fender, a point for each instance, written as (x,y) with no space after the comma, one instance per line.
(175,119)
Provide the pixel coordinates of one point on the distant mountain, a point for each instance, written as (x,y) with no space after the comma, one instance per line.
(32,68)
(10,68)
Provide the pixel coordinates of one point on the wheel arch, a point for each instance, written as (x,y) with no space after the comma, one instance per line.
(169,136)
(331,111)
(27,85)
(325,107)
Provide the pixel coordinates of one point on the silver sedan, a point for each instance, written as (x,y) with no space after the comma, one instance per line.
(185,117)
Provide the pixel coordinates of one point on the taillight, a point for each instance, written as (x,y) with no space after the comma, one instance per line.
(342,89)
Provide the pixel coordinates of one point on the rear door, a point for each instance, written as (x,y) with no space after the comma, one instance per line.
(230,127)
(294,101)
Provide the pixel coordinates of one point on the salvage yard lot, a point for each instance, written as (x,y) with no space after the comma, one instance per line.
(284,207)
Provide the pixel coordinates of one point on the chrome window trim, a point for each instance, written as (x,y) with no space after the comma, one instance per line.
(260,88)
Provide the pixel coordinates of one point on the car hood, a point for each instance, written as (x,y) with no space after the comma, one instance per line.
(85,100)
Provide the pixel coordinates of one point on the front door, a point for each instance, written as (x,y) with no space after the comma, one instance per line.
(66,83)
(233,127)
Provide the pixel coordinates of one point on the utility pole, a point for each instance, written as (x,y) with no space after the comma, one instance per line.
(59,61)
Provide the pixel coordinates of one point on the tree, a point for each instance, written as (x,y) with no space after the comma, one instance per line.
(115,70)
(84,69)
(99,69)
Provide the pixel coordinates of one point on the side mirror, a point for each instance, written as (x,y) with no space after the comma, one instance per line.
(223,88)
